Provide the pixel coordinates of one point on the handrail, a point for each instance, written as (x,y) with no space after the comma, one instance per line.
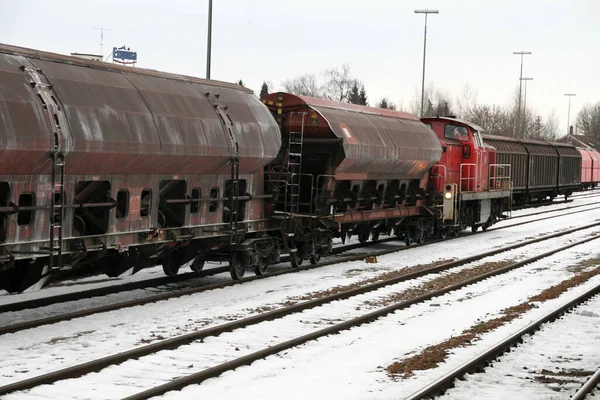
(468,178)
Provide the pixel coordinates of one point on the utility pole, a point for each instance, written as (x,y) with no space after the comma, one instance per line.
(102,39)
(518,127)
(208,45)
(426,12)
(569,95)
(525,101)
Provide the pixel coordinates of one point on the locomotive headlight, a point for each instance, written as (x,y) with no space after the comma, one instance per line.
(448,195)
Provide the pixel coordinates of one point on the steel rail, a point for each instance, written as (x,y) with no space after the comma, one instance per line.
(180,383)
(477,363)
(587,387)
(97,365)
(163,280)
(557,210)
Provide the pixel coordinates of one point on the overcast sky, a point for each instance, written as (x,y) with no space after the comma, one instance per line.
(470,42)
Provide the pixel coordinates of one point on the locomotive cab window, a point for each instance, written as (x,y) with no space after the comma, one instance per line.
(122,203)
(25,200)
(456,132)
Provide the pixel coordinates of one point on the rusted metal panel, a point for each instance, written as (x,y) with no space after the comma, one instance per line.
(376,142)
(25,131)
(110,127)
(120,120)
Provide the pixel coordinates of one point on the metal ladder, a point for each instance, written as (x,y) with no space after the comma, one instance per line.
(58,162)
(294,160)
(234,199)
(235,173)
(50,104)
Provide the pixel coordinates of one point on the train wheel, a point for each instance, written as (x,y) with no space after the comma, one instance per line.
(296,259)
(420,239)
(237,269)
(474,228)
(262,266)
(314,258)
(375,236)
(409,239)
(170,267)
(363,237)
(455,232)
(198,263)
(443,234)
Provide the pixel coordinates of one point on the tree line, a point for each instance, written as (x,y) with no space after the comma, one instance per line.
(504,120)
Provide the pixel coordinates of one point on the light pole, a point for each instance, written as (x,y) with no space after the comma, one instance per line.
(525,100)
(426,12)
(569,95)
(518,127)
(208,45)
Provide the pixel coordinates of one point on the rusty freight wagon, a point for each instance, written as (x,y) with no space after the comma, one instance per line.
(346,169)
(118,168)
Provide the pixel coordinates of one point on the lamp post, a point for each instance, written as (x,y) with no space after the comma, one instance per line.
(569,95)
(426,12)
(518,127)
(525,99)
(208,45)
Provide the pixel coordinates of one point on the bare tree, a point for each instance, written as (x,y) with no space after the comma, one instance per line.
(338,83)
(494,119)
(550,129)
(436,103)
(588,120)
(305,85)
(333,84)
(467,100)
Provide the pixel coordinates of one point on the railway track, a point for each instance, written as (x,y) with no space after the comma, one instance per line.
(549,211)
(279,314)
(491,355)
(588,387)
(193,290)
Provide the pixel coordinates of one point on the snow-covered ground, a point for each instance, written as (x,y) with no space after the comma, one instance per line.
(549,365)
(68,343)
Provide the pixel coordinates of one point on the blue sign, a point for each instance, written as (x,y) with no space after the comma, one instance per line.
(123,53)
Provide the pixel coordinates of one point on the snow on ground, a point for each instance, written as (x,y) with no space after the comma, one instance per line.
(348,365)
(571,343)
(434,323)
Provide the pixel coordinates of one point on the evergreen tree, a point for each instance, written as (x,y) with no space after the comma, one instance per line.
(264,90)
(385,103)
(363,96)
(354,95)
(240,82)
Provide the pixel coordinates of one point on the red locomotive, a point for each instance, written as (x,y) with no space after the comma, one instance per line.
(120,168)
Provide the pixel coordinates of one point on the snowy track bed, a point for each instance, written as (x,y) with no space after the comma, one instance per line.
(551,364)
(349,365)
(163,366)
